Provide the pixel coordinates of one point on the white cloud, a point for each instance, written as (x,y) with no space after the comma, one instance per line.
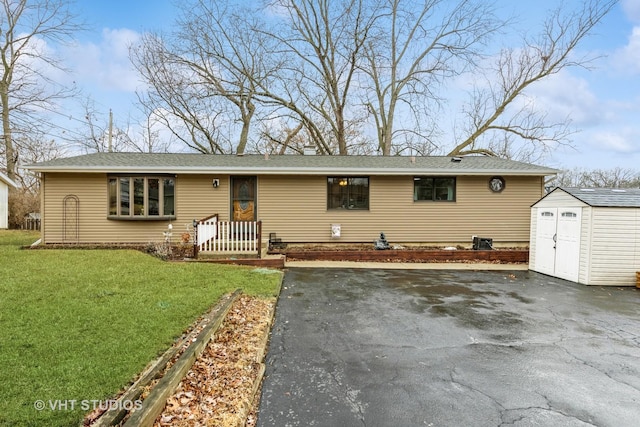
(619,141)
(106,65)
(627,59)
(563,96)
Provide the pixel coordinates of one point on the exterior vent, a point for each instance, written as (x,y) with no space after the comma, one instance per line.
(309,150)
(456,159)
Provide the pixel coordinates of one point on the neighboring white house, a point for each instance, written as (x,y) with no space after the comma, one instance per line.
(5,182)
(589,236)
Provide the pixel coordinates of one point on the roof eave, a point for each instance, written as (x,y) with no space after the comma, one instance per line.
(8,181)
(290,171)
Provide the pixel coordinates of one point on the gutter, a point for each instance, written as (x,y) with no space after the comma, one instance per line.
(294,171)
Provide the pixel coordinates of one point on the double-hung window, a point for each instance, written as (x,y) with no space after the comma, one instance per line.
(434,188)
(141,197)
(347,192)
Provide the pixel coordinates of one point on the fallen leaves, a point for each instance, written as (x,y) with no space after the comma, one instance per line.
(219,388)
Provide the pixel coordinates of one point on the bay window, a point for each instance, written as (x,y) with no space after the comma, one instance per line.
(141,197)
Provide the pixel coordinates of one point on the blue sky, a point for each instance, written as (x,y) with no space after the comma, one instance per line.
(604,103)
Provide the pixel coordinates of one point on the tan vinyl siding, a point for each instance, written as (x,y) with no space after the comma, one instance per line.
(615,249)
(195,199)
(93,225)
(296,209)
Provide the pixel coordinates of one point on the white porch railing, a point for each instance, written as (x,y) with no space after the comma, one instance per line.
(214,235)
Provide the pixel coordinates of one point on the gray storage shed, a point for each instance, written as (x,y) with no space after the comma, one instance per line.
(587,235)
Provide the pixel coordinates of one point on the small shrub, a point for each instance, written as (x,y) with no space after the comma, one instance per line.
(160,250)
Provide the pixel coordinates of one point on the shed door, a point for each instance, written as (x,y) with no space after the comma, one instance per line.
(558,242)
(568,243)
(546,240)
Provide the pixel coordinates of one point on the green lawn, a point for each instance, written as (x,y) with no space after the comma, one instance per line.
(80,324)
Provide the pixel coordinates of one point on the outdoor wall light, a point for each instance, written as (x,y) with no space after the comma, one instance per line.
(216,183)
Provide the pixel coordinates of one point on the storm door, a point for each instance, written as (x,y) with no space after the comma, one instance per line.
(243,198)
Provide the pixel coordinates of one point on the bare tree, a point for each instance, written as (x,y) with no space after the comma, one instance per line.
(320,72)
(34,147)
(323,40)
(493,111)
(598,178)
(97,134)
(176,98)
(150,139)
(100,132)
(25,83)
(204,76)
(416,47)
(283,139)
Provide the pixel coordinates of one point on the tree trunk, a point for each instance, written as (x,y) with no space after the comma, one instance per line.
(6,131)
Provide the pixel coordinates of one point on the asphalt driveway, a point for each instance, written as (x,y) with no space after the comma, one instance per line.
(451,348)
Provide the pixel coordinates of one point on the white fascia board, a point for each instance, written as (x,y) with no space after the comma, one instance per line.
(293,171)
(4,178)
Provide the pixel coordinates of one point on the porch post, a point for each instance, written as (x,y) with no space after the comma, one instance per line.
(195,239)
(259,237)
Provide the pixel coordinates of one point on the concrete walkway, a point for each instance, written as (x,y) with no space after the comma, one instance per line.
(408,265)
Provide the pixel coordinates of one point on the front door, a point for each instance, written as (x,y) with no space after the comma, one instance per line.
(243,198)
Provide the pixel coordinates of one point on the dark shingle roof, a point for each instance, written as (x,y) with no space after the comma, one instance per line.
(288,164)
(606,197)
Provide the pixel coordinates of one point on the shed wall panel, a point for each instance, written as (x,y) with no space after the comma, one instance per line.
(586,234)
(533,224)
(615,252)
(560,199)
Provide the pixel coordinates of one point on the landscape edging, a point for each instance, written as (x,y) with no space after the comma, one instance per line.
(154,403)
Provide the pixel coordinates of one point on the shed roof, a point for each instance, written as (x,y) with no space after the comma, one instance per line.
(605,197)
(4,178)
(289,164)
